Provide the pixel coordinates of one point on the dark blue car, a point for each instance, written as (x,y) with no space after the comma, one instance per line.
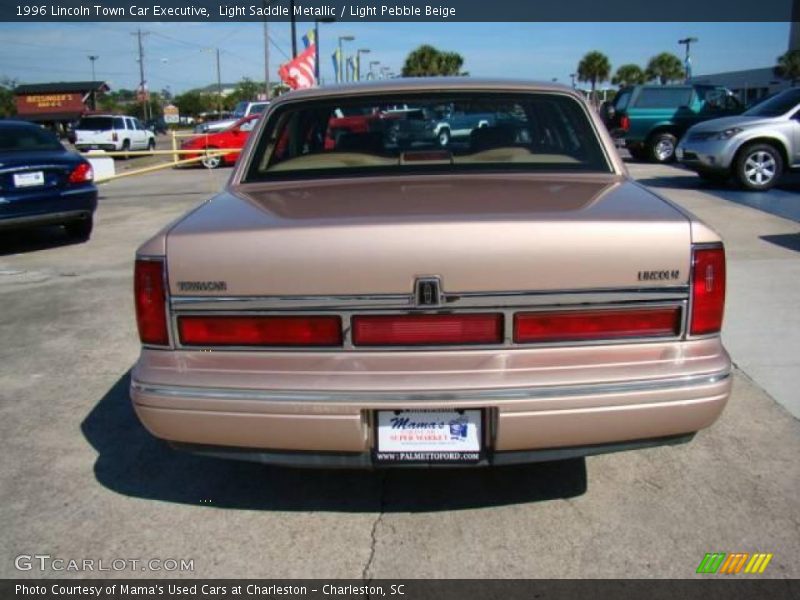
(41,183)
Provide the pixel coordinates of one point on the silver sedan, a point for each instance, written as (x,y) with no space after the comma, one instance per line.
(755,148)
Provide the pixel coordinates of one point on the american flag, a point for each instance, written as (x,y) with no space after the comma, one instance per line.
(298,73)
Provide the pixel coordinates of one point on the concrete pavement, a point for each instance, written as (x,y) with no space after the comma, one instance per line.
(80,478)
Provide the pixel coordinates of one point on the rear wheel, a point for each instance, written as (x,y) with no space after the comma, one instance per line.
(759,167)
(79,230)
(212,162)
(444,137)
(151,144)
(661,147)
(126,145)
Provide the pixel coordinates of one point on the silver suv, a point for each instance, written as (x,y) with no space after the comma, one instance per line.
(756,147)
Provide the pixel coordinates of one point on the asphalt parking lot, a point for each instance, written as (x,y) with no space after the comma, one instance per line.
(80,478)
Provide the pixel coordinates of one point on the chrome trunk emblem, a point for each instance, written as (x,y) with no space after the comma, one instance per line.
(427,291)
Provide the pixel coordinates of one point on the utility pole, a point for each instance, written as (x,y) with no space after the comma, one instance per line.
(266,55)
(294,29)
(219,86)
(572,76)
(145,100)
(92,58)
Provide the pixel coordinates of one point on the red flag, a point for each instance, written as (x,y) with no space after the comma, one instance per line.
(299,72)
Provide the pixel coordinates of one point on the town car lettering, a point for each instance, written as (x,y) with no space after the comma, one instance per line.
(364,293)
(202,286)
(673,274)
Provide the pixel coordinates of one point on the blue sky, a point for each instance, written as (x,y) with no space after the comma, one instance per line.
(174,53)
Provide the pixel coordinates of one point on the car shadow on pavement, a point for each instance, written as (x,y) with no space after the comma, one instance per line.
(31,240)
(781,201)
(132,462)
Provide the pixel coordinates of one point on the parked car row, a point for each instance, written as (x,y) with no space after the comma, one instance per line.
(706,129)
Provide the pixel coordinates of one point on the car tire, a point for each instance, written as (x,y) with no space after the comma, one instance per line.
(151,144)
(211,162)
(80,230)
(444,138)
(126,145)
(714,176)
(758,167)
(661,147)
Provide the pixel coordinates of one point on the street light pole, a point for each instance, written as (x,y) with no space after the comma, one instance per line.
(359,52)
(340,74)
(572,76)
(688,61)
(372,63)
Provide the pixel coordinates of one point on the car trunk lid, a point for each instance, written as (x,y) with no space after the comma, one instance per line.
(476,234)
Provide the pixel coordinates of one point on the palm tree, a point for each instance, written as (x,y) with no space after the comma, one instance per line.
(788,66)
(665,67)
(594,67)
(629,75)
(427,61)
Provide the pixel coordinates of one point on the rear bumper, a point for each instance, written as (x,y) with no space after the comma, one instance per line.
(47,207)
(546,403)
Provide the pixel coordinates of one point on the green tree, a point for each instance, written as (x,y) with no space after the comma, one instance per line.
(427,61)
(629,75)
(194,102)
(595,68)
(7,106)
(245,90)
(665,67)
(788,66)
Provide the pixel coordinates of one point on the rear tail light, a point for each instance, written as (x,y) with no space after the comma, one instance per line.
(624,123)
(83,173)
(150,296)
(576,325)
(260,331)
(114,136)
(708,290)
(418,330)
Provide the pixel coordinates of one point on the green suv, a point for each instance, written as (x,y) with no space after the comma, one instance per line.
(650,119)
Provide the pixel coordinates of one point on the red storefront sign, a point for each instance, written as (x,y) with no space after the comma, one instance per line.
(36,104)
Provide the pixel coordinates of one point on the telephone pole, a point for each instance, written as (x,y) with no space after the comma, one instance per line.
(145,100)
(219,86)
(266,58)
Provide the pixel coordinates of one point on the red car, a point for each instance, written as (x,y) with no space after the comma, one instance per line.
(234,136)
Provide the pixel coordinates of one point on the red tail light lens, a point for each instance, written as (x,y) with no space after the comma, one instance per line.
(624,123)
(150,297)
(83,173)
(114,137)
(708,290)
(260,331)
(596,324)
(420,330)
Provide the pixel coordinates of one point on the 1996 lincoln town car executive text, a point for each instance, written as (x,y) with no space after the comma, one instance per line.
(508,295)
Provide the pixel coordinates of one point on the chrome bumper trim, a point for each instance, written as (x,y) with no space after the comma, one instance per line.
(439,395)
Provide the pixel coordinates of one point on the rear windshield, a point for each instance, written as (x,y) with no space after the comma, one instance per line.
(24,139)
(664,97)
(777,105)
(434,133)
(95,124)
(622,99)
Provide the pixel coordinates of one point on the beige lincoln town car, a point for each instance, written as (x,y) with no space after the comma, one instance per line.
(369,291)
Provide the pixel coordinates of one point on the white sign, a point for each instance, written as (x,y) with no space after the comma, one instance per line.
(428,435)
(28,179)
(171,114)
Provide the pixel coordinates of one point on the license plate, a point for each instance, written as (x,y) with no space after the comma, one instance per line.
(28,179)
(428,436)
